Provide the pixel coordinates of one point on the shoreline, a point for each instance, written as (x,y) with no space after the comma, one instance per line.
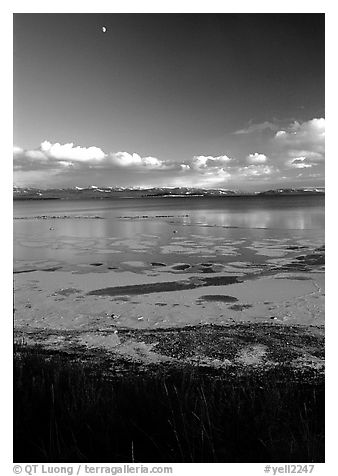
(235,349)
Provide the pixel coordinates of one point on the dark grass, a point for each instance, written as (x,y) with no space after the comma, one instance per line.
(69,411)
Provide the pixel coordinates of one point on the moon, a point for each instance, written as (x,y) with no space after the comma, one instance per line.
(104,29)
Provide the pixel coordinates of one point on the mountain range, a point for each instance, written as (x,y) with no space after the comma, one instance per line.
(93,192)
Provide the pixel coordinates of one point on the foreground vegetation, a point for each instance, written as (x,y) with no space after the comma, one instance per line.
(69,411)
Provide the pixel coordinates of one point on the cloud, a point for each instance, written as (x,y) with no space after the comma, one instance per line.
(205,171)
(262,126)
(300,163)
(309,135)
(315,157)
(17,150)
(76,165)
(256,170)
(302,145)
(204,164)
(71,152)
(58,156)
(223,170)
(124,159)
(36,155)
(55,156)
(281,155)
(257,158)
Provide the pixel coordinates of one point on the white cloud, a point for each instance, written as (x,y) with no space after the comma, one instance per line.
(257,158)
(256,170)
(65,163)
(124,159)
(202,163)
(309,135)
(17,150)
(206,171)
(280,134)
(58,156)
(302,145)
(71,152)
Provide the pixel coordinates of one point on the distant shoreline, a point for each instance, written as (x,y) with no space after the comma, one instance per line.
(118,195)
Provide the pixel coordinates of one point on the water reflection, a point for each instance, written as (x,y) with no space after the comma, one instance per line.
(156,223)
(299,219)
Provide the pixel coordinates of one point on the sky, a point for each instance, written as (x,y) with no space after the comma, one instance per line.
(233,101)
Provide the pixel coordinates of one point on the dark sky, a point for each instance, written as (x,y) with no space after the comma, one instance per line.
(200,94)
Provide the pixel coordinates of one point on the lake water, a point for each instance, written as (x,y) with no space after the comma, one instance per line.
(168,230)
(95,266)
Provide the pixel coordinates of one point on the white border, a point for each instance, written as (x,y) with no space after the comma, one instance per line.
(287,6)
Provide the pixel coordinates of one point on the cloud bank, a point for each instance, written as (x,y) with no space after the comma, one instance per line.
(296,146)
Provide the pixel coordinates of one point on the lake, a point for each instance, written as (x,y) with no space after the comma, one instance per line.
(161,228)
(168,261)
